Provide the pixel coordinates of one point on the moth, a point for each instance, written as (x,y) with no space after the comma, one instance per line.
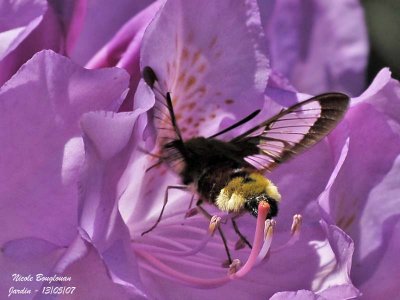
(231,174)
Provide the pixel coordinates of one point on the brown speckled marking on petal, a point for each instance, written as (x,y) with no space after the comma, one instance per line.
(184,54)
(189,120)
(196,56)
(200,92)
(175,100)
(191,105)
(202,68)
(190,82)
(181,77)
(229,101)
(213,116)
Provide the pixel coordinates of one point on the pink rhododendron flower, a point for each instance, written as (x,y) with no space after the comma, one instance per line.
(75,194)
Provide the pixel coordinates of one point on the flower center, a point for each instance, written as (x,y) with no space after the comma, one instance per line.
(153,257)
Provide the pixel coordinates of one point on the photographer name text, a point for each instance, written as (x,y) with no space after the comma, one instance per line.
(29,278)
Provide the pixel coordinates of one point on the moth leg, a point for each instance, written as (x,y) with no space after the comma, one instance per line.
(208,216)
(191,202)
(175,187)
(191,211)
(242,237)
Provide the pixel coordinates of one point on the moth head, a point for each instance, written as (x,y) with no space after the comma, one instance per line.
(251,205)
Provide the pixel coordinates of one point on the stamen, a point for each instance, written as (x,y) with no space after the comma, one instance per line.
(268,234)
(152,262)
(294,232)
(214,223)
(234,266)
(295,229)
(263,210)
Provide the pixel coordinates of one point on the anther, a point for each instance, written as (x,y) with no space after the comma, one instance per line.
(295,229)
(294,233)
(268,227)
(268,234)
(214,223)
(234,266)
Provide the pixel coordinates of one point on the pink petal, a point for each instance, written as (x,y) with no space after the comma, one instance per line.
(317,242)
(123,49)
(72,14)
(109,140)
(102,21)
(298,295)
(200,68)
(363,197)
(92,280)
(29,256)
(381,265)
(318,46)
(15,29)
(41,145)
(27,27)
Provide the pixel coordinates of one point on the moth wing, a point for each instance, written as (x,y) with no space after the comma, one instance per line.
(163,112)
(165,122)
(292,130)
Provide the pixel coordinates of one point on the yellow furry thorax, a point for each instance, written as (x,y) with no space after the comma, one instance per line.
(233,196)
